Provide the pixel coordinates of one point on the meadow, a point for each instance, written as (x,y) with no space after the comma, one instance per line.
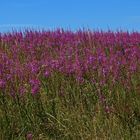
(64,85)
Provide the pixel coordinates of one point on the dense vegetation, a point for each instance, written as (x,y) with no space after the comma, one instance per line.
(67,85)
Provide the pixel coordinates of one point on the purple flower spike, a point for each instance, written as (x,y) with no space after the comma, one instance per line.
(2,83)
(35,86)
(46,74)
(35,90)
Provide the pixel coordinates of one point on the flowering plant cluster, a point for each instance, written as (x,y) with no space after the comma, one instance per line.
(26,57)
(69,85)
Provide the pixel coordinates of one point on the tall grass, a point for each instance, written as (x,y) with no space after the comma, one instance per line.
(70,86)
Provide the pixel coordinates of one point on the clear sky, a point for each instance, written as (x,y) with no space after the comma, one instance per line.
(70,14)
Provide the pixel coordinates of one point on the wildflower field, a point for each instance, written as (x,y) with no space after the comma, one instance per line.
(64,85)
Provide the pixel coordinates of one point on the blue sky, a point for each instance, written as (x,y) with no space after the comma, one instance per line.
(70,14)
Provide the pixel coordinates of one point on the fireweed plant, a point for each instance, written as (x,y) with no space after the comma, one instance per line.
(68,85)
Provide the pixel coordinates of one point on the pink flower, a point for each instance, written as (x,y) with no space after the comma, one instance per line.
(35,86)
(46,74)
(2,83)
(107,109)
(80,79)
(22,90)
(29,136)
(35,90)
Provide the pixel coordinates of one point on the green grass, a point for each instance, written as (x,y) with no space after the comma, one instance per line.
(66,110)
